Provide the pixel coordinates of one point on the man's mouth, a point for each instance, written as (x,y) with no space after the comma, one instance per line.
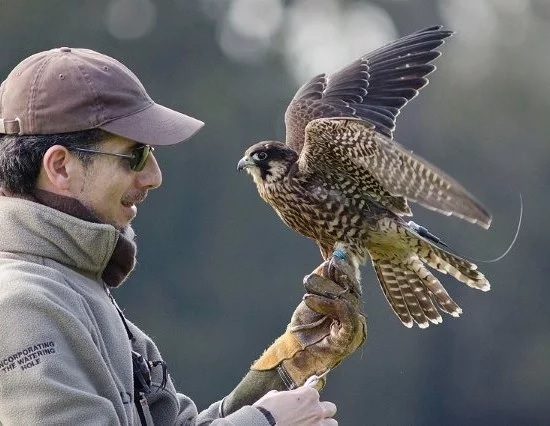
(132,201)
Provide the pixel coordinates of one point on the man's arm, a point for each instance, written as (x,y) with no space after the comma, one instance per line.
(326,327)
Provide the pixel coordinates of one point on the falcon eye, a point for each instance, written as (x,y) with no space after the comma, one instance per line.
(259,156)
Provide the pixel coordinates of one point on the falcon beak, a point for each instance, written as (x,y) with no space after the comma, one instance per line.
(244,163)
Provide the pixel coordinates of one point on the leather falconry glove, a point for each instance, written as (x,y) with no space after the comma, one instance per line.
(325,328)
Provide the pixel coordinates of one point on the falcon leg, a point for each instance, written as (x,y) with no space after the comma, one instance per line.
(339,251)
(340,254)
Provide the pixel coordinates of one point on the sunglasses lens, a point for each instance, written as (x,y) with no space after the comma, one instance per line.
(139,157)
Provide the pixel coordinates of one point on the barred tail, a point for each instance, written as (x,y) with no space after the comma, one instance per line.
(412,291)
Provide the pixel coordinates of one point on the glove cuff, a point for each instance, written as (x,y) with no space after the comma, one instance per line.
(252,387)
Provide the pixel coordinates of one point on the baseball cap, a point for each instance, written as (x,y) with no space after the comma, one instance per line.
(71,89)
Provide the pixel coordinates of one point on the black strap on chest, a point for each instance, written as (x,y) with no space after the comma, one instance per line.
(142,373)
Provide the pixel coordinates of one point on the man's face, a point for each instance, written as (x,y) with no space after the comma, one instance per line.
(110,189)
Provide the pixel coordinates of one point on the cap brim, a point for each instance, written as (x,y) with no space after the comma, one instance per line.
(155,125)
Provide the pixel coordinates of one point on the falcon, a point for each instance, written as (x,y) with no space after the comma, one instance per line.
(343,181)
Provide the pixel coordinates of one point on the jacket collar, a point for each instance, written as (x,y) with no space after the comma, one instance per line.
(67,233)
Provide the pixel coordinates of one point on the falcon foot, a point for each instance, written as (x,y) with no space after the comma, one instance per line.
(341,269)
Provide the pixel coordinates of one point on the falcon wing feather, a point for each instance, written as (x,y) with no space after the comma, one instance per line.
(320,165)
(374,87)
(348,151)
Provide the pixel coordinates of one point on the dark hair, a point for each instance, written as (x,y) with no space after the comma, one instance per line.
(21,155)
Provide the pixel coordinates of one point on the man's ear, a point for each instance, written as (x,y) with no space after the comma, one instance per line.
(58,169)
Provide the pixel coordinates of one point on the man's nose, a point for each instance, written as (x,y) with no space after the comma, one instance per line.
(151,176)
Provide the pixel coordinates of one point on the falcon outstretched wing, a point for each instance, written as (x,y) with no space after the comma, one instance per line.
(374,87)
(349,155)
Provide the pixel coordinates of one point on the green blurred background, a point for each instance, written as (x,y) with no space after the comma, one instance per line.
(219,274)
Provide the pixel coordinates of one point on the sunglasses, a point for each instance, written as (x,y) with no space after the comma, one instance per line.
(137,158)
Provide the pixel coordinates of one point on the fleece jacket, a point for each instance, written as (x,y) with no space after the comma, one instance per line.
(65,356)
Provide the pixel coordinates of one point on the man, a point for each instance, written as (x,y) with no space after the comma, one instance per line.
(76,135)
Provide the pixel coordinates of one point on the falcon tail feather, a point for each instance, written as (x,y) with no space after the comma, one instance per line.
(412,291)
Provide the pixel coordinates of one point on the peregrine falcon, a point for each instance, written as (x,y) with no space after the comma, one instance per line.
(342,180)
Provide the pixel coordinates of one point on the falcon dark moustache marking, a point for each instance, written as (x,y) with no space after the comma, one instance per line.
(341,180)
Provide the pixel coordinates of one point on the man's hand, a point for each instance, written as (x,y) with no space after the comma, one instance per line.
(325,328)
(298,407)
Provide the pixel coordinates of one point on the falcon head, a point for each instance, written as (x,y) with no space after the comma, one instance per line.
(268,161)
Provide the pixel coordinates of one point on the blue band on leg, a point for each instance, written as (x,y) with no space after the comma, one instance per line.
(340,254)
